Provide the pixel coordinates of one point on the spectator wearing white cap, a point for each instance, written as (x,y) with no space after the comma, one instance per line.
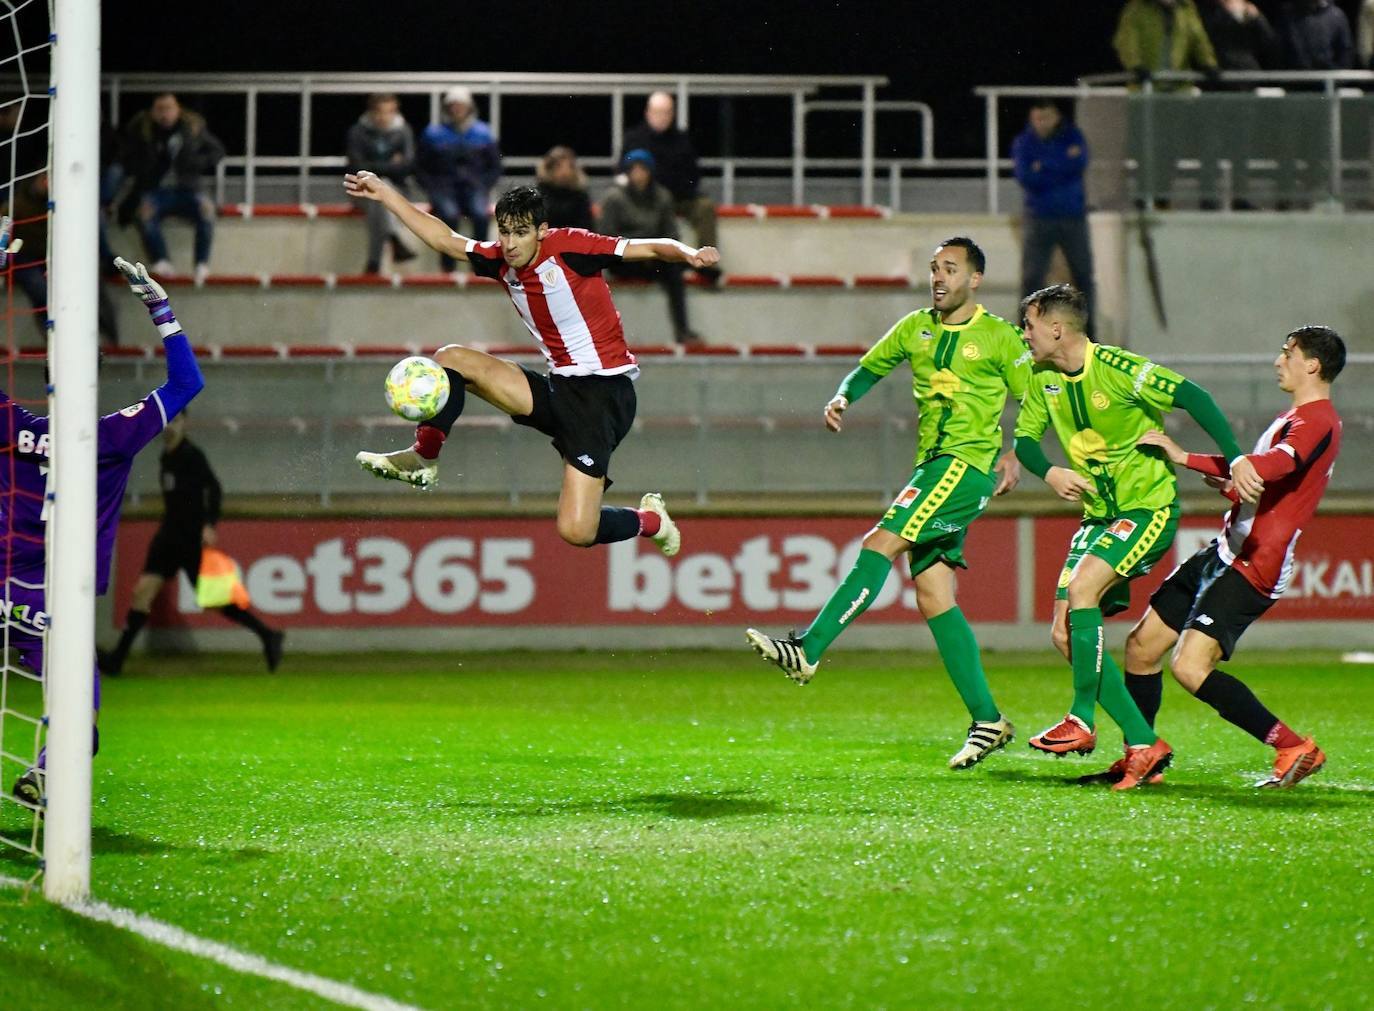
(458,162)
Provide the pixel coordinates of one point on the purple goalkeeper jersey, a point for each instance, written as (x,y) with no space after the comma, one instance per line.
(25,473)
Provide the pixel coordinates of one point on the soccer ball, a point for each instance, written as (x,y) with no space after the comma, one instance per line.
(417,388)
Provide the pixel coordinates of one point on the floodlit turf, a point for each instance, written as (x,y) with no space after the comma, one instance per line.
(693,831)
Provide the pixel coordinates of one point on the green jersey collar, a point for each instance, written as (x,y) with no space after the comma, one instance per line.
(977,315)
(1082,373)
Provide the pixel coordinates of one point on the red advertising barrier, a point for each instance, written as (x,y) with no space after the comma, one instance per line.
(1333,579)
(398,573)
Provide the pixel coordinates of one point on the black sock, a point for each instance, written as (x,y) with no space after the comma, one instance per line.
(1237,704)
(617,525)
(457,393)
(133,624)
(1146,691)
(247,619)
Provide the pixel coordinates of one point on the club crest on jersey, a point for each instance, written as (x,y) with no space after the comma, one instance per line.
(549,276)
(1100,400)
(971,352)
(1122,529)
(908,495)
(132,409)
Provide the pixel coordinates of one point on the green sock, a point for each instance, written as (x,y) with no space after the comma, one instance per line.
(964,662)
(850,599)
(1121,707)
(1085,653)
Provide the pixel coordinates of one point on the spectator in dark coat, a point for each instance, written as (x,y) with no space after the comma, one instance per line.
(381,141)
(564,186)
(641,208)
(677,169)
(168,152)
(1316,36)
(1242,36)
(1050,156)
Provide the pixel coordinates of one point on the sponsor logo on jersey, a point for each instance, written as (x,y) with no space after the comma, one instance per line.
(1053,389)
(1100,400)
(585,460)
(907,495)
(1122,529)
(971,352)
(133,409)
(946,526)
(983,502)
(1204,619)
(926,335)
(1065,577)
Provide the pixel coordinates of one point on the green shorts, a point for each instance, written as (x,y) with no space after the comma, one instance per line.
(935,509)
(1130,543)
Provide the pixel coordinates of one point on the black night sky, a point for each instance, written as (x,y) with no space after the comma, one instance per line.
(931,51)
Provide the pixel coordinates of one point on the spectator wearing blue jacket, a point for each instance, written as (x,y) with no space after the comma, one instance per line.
(458,162)
(1050,156)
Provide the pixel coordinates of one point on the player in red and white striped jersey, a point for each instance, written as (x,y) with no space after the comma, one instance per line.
(1205,605)
(586,403)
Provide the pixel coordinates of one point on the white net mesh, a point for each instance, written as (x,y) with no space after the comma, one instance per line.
(25,32)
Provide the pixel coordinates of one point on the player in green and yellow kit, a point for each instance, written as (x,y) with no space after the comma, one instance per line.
(1100,401)
(964,361)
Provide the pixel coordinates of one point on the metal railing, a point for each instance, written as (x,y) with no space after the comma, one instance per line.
(1336,86)
(707,428)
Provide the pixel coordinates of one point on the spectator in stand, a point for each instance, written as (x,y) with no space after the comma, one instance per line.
(1365,46)
(29,266)
(640,208)
(458,163)
(1050,156)
(1316,36)
(564,187)
(1162,35)
(1242,36)
(677,169)
(168,152)
(381,142)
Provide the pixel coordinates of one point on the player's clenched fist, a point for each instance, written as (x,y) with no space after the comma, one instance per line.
(706,256)
(837,406)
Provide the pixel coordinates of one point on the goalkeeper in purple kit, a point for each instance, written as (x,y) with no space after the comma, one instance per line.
(24,484)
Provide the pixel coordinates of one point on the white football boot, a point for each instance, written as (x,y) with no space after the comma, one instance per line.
(668,538)
(983,740)
(786,653)
(403,465)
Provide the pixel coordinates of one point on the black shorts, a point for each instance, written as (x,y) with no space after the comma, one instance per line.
(172,550)
(586,416)
(1206,594)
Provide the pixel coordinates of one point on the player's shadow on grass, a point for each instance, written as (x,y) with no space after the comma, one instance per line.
(698,806)
(1309,796)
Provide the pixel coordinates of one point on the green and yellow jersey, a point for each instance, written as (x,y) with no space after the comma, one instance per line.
(1099,415)
(960,376)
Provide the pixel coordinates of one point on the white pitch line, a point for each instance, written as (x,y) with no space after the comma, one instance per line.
(232,958)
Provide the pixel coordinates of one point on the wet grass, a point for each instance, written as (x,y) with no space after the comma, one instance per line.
(690,830)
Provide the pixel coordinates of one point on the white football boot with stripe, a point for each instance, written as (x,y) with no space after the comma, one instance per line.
(403,465)
(668,538)
(983,740)
(786,653)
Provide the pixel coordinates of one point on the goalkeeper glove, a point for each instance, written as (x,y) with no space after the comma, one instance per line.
(8,246)
(152,294)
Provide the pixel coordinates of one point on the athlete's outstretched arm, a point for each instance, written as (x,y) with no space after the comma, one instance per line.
(671,251)
(429,229)
(184,379)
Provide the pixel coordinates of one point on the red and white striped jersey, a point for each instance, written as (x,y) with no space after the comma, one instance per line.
(564,301)
(1294,457)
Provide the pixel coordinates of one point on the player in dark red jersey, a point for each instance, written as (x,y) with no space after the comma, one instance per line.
(1205,605)
(587,401)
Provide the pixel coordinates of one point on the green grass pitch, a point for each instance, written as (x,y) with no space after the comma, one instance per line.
(690,830)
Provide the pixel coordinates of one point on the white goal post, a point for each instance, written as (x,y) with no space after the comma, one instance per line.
(73,350)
